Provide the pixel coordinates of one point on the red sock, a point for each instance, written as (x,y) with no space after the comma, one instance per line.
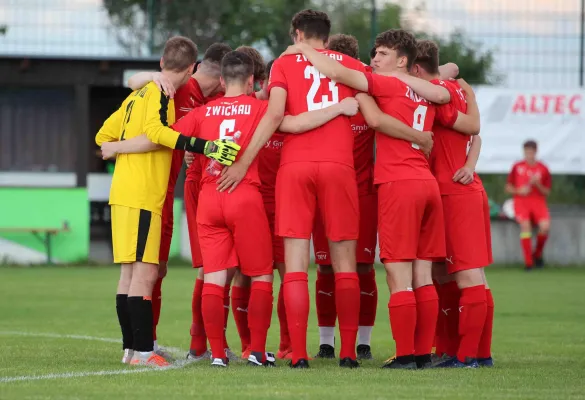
(427,310)
(296,300)
(540,242)
(325,299)
(450,309)
(368,298)
(526,242)
(213,316)
(240,299)
(347,299)
(198,336)
(226,311)
(284,336)
(485,343)
(440,345)
(472,315)
(260,315)
(402,308)
(156,304)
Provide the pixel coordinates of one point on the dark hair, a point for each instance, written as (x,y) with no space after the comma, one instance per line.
(259,67)
(269,66)
(427,56)
(373,53)
(314,24)
(344,44)
(215,52)
(400,40)
(236,66)
(179,54)
(530,144)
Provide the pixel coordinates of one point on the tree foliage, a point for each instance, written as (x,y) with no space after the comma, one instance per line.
(266,23)
(3,29)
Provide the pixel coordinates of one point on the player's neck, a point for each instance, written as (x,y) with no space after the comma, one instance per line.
(314,43)
(235,90)
(531,162)
(207,84)
(175,78)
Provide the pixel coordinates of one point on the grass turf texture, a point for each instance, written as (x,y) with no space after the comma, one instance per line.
(539,344)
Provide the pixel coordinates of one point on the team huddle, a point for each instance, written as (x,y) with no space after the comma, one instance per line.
(328,148)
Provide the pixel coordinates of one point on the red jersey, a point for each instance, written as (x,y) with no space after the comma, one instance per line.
(363,154)
(222,119)
(451,147)
(521,174)
(308,90)
(397,159)
(268,163)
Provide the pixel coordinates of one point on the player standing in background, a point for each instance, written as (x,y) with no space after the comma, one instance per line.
(530,182)
(411,228)
(204,83)
(139,186)
(233,228)
(466,212)
(363,157)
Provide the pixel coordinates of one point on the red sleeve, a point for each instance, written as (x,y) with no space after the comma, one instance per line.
(546,178)
(277,76)
(189,124)
(447,113)
(383,86)
(512,176)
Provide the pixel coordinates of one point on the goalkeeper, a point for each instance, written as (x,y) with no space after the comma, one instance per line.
(139,187)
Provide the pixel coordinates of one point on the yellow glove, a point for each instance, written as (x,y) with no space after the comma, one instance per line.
(223,151)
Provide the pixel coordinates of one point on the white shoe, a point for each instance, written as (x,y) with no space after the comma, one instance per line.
(218,362)
(128,354)
(192,358)
(270,360)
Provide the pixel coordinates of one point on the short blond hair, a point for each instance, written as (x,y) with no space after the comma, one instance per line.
(179,54)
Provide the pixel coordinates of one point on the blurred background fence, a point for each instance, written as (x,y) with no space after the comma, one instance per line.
(63,64)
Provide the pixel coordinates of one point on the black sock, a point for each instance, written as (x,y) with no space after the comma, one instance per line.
(141,317)
(124,320)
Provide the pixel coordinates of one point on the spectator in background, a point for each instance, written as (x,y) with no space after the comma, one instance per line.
(530,183)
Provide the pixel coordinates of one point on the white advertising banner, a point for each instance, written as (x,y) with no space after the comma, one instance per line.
(555,119)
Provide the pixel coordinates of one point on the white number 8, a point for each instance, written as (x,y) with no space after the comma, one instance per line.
(419,121)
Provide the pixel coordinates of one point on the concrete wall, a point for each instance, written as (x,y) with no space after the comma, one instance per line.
(566,244)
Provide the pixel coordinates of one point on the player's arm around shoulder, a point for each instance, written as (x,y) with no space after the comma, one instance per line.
(331,68)
(468,123)
(435,93)
(313,119)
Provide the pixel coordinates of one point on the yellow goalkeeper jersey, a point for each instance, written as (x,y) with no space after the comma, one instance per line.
(141,180)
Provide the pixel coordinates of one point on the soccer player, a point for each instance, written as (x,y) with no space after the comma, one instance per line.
(139,186)
(530,182)
(363,157)
(233,228)
(410,228)
(466,212)
(203,84)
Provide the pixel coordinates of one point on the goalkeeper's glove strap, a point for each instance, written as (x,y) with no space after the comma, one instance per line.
(191,144)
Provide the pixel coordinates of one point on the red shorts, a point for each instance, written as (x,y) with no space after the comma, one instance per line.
(530,209)
(467,231)
(410,221)
(233,231)
(301,187)
(277,241)
(366,243)
(167,227)
(191,199)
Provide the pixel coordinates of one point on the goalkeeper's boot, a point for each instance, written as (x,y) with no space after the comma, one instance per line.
(149,359)
(127,357)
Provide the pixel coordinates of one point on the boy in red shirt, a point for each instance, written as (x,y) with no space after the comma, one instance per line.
(530,182)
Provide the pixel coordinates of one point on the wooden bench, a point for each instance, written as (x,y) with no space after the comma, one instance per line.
(43,234)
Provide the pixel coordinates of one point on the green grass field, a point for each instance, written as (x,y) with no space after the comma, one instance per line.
(539,345)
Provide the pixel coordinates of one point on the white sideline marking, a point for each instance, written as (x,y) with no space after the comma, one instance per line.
(68,375)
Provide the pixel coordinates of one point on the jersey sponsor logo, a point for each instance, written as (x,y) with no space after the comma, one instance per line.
(330,294)
(321,255)
(274,144)
(359,128)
